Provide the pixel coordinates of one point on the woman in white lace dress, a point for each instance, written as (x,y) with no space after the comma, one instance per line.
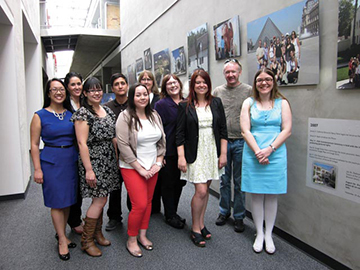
(201,139)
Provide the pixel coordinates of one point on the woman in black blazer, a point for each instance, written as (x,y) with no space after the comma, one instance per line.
(201,139)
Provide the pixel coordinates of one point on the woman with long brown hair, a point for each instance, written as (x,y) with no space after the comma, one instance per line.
(201,139)
(265,125)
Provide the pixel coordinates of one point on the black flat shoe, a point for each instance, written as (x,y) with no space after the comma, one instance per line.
(183,220)
(65,257)
(205,233)
(71,245)
(175,223)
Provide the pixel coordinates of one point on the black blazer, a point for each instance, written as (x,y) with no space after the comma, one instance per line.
(155,99)
(187,129)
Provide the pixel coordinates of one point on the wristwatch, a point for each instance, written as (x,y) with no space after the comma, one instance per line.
(273,148)
(159,164)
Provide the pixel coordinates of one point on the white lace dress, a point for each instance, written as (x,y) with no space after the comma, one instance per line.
(205,167)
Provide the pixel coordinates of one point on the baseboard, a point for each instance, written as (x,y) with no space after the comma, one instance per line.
(18,195)
(309,250)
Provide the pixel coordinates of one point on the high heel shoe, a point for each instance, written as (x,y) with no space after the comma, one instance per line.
(70,245)
(205,233)
(197,239)
(65,257)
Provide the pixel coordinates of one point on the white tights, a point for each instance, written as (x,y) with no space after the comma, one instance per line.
(260,204)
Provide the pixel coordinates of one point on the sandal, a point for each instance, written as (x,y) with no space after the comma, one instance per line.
(197,239)
(205,233)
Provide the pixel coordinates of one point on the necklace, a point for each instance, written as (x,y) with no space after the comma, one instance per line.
(60,116)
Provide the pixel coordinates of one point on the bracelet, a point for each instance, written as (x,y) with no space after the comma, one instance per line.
(159,164)
(272,147)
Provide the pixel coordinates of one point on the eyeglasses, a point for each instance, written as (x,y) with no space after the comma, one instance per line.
(146,80)
(55,90)
(93,91)
(172,83)
(259,80)
(232,60)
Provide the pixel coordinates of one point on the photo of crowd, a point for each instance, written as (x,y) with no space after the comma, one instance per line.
(281,56)
(348,51)
(286,43)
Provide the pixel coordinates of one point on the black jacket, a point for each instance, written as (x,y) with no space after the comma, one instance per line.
(187,129)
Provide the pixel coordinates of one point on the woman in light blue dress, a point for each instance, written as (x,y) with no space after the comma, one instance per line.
(265,125)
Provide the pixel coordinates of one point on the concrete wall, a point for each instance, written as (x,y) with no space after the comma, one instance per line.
(21,90)
(329,224)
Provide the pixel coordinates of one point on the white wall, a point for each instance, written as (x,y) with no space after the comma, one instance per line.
(21,90)
(329,224)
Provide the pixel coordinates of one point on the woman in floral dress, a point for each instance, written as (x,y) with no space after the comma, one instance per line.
(99,174)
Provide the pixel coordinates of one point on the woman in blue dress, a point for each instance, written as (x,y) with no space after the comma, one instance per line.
(265,125)
(56,167)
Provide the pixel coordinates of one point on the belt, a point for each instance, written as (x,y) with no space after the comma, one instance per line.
(233,140)
(59,146)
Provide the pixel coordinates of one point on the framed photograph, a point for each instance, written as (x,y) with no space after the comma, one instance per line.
(178,63)
(148,59)
(287,42)
(348,55)
(161,65)
(139,67)
(227,39)
(131,74)
(198,49)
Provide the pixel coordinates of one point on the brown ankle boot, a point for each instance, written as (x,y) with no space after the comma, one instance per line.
(87,238)
(98,235)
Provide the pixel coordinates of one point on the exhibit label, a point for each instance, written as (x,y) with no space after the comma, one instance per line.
(333,161)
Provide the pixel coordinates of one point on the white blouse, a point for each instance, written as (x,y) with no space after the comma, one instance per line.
(146,151)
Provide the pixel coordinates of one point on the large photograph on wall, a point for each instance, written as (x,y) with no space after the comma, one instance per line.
(148,59)
(227,39)
(161,65)
(286,41)
(198,49)
(348,55)
(178,61)
(139,67)
(131,74)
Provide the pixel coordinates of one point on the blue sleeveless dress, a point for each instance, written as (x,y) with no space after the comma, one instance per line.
(59,165)
(271,178)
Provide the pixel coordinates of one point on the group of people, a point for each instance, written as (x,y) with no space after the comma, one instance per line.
(354,70)
(155,143)
(281,56)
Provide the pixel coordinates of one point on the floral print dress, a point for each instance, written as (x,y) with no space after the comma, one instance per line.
(102,153)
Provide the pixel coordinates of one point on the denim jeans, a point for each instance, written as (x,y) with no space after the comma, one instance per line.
(234,159)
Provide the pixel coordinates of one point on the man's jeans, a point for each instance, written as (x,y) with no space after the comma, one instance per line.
(234,159)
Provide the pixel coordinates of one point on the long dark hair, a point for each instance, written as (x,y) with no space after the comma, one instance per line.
(91,82)
(47,100)
(167,77)
(192,98)
(134,119)
(70,75)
